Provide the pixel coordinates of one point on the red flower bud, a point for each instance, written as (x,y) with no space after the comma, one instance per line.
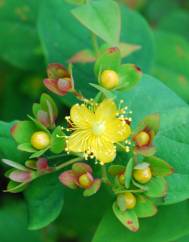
(59,79)
(42,165)
(20,176)
(86,180)
(81,176)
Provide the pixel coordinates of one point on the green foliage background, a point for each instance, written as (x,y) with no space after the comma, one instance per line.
(34,33)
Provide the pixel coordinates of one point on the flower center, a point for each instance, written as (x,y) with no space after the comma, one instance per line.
(98,128)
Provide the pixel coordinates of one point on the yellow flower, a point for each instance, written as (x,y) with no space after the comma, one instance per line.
(97,129)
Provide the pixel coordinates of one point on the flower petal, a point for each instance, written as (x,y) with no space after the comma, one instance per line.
(106,110)
(103,150)
(117,130)
(77,141)
(81,116)
(68,179)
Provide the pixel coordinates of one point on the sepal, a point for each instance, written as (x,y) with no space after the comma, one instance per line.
(144,207)
(159,167)
(128,218)
(156,187)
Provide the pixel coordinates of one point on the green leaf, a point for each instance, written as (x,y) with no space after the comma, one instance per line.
(76,1)
(44,198)
(27,147)
(15,210)
(159,167)
(157,187)
(15,187)
(135,31)
(178,189)
(144,207)
(147,88)
(128,173)
(162,227)
(102,18)
(17,20)
(14,164)
(175,22)
(38,153)
(183,239)
(172,61)
(174,133)
(8,147)
(88,208)
(128,218)
(157,9)
(57,140)
(22,131)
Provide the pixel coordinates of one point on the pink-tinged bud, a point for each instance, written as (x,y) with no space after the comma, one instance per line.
(20,176)
(43,118)
(60,86)
(42,165)
(59,79)
(85,180)
(142,139)
(64,85)
(68,179)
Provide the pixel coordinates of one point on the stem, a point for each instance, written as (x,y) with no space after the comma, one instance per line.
(135,158)
(105,178)
(67,163)
(123,191)
(99,97)
(78,95)
(95,44)
(56,156)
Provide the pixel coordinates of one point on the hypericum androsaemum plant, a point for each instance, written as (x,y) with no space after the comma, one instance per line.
(96,131)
